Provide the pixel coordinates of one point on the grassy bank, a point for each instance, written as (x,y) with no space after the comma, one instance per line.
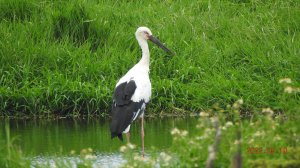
(64,58)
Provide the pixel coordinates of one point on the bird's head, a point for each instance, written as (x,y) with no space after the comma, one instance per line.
(146,34)
(143,32)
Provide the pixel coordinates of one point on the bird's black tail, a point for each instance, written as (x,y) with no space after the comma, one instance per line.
(117,135)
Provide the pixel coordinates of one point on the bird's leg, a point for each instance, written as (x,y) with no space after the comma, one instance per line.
(142,136)
(128,137)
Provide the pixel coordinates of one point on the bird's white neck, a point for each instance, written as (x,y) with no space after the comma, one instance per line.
(145,52)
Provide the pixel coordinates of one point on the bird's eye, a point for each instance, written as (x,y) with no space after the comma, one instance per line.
(146,32)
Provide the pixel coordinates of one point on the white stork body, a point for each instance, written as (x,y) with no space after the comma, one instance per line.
(140,75)
(133,90)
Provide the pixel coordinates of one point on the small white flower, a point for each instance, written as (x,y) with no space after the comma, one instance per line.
(208,131)
(199,126)
(123,149)
(268,111)
(90,156)
(199,137)
(138,158)
(83,151)
(131,146)
(165,156)
(240,101)
(236,105)
(184,133)
(277,137)
(259,133)
(72,152)
(204,114)
(288,89)
(213,119)
(191,142)
(175,131)
(229,123)
(237,142)
(285,80)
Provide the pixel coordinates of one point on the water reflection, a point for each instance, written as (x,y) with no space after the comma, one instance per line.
(48,138)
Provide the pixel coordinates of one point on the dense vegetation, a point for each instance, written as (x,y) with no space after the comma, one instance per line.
(64,57)
(221,139)
(266,141)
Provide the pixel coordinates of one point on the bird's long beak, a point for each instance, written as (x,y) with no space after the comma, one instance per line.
(160,44)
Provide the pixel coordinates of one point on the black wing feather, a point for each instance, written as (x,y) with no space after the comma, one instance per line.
(123,108)
(124,92)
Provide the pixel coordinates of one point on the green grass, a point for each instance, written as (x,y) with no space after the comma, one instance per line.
(10,155)
(63,58)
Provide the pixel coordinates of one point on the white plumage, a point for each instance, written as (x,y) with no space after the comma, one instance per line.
(140,72)
(140,75)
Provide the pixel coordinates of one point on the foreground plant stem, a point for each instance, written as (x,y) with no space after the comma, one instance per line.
(212,150)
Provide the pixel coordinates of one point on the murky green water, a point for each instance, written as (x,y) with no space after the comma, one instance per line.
(43,140)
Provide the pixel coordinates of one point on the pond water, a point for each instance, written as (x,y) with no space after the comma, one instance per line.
(46,140)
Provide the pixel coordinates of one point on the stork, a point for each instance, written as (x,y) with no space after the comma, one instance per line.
(133,90)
